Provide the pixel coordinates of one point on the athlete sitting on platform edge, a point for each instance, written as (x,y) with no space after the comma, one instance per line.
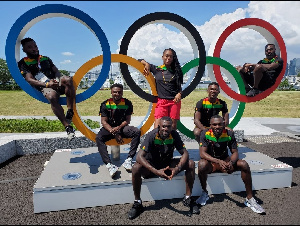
(115,119)
(214,157)
(155,158)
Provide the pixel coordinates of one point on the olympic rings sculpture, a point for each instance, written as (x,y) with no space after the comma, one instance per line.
(31,17)
(213,61)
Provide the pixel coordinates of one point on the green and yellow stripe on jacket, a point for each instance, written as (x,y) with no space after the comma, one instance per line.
(207,104)
(160,141)
(163,67)
(110,104)
(273,60)
(209,135)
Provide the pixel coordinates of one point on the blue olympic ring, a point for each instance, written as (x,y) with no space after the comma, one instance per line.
(28,19)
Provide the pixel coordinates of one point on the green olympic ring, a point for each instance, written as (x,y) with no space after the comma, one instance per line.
(238,106)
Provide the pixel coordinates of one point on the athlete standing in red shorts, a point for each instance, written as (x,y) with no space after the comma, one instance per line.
(168,78)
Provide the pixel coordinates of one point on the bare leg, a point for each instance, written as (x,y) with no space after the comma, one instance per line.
(57,109)
(67,82)
(189,178)
(246,176)
(137,180)
(204,168)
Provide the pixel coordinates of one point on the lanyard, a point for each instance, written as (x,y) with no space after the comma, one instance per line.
(39,63)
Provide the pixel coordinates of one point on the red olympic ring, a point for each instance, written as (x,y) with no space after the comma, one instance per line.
(247,22)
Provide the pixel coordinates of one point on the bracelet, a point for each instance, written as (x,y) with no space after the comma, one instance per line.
(47,84)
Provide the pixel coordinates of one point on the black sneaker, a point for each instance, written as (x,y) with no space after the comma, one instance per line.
(194,209)
(136,210)
(253,92)
(70,132)
(189,202)
(69,115)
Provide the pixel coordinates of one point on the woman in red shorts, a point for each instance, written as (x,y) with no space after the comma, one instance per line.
(168,78)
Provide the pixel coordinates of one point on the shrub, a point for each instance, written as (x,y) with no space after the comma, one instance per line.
(37,125)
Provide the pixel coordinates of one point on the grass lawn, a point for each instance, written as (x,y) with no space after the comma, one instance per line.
(282,104)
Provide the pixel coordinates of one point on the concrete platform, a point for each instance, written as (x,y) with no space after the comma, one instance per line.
(77,178)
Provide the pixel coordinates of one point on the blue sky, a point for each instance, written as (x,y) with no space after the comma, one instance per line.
(70,44)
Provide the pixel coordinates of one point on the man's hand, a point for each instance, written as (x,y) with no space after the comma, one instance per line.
(119,138)
(115,130)
(223,165)
(248,67)
(226,167)
(174,171)
(53,84)
(163,173)
(229,167)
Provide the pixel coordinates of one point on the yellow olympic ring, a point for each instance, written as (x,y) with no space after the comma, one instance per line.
(79,123)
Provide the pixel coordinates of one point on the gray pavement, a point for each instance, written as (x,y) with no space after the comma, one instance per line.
(19,174)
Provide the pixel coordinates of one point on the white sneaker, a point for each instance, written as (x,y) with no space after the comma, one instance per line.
(203,198)
(112,169)
(128,164)
(70,132)
(254,205)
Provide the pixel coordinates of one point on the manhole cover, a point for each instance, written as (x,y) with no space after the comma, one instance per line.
(77,152)
(254,162)
(71,176)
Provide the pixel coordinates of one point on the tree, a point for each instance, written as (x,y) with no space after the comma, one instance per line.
(5,76)
(64,72)
(284,85)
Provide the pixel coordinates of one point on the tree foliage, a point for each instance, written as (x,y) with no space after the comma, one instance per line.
(64,72)
(285,85)
(5,76)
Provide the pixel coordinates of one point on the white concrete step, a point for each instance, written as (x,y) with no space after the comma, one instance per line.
(77,178)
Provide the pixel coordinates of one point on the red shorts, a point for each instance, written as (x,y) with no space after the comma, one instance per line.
(167,108)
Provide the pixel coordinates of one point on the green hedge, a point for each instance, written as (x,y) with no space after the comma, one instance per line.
(37,125)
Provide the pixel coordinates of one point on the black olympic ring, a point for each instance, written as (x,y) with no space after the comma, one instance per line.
(151,18)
